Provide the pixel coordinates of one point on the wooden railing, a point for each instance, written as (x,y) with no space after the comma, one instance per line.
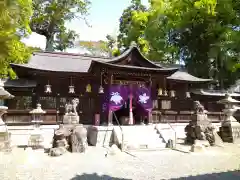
(169,116)
(23,117)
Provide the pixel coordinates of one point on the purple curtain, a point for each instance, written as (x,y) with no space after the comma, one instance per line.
(143,97)
(118,94)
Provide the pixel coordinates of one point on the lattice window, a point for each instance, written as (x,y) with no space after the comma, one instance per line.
(166,104)
(20,103)
(48,102)
(63,102)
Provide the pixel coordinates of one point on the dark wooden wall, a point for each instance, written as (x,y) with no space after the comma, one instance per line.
(166,108)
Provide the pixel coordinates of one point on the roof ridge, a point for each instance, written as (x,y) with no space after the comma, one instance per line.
(69,57)
(71,54)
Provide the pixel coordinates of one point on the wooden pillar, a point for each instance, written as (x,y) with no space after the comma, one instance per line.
(130,109)
(110,113)
(34,99)
(57,107)
(150,120)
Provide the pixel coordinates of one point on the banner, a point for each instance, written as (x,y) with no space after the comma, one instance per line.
(118,95)
(143,96)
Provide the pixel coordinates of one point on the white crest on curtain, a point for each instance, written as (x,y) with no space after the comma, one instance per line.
(116,98)
(143,98)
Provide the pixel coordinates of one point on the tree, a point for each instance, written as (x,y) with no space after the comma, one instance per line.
(101,48)
(64,39)
(49,19)
(14,19)
(132,25)
(14,24)
(203,33)
(17,53)
(95,48)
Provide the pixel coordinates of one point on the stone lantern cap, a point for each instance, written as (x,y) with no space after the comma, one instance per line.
(38,110)
(228,100)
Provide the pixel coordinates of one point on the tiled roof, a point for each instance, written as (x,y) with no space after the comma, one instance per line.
(184,76)
(208,92)
(58,62)
(67,62)
(235,88)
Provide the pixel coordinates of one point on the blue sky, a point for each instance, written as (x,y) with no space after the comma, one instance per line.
(103,17)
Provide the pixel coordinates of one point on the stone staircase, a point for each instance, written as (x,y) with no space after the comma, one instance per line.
(168,132)
(139,137)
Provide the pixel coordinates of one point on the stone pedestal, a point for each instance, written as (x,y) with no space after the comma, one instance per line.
(230,132)
(70,119)
(36,139)
(5,144)
(200,128)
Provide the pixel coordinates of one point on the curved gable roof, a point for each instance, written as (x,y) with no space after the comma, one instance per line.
(128,52)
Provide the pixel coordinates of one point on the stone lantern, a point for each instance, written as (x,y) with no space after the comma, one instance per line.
(230,128)
(36,136)
(4,135)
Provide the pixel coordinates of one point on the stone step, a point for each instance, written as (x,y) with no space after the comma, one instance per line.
(145,137)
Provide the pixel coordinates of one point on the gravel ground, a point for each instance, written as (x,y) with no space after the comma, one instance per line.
(167,164)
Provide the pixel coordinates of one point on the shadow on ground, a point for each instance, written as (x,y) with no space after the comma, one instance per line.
(229,175)
(96,177)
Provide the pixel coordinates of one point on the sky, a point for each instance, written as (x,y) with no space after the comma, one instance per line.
(103,17)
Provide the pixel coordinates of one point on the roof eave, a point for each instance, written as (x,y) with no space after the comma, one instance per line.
(21,66)
(191,81)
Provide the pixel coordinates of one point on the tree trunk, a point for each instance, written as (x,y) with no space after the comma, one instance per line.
(49,44)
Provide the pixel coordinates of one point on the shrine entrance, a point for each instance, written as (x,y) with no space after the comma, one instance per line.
(122,115)
(129,104)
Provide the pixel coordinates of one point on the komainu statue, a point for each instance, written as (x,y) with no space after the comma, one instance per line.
(71,108)
(200,127)
(199,108)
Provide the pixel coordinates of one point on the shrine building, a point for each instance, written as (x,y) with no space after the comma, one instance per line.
(129,89)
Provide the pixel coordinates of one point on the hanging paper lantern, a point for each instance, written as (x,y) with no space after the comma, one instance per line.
(188,95)
(165,92)
(71,90)
(101,90)
(48,89)
(172,93)
(160,92)
(88,88)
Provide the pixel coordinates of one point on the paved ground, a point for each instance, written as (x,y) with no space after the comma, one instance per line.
(167,164)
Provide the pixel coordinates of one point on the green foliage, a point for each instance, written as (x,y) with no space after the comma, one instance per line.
(49,19)
(132,25)
(14,24)
(100,48)
(14,16)
(205,34)
(116,52)
(17,53)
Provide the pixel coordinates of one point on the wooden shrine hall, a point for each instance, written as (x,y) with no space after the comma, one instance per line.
(129,88)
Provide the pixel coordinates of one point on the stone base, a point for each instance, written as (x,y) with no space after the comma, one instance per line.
(230,132)
(5,144)
(100,135)
(70,119)
(36,139)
